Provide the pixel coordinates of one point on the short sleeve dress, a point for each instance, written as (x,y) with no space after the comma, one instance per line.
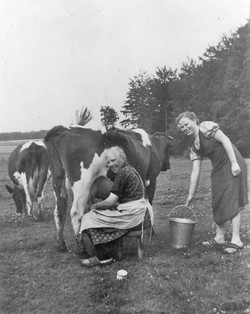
(229,193)
(128,186)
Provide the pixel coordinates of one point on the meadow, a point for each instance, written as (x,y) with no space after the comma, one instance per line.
(35,278)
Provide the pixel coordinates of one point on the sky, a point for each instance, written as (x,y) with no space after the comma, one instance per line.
(57,56)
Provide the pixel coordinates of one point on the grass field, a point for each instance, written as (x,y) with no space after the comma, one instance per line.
(35,278)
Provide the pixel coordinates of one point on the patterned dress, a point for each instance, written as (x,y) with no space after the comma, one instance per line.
(229,193)
(128,186)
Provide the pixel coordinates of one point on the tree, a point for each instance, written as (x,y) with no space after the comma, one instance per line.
(108,117)
(149,100)
(162,87)
(137,105)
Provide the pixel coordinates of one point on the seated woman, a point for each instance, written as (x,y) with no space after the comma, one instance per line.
(124,209)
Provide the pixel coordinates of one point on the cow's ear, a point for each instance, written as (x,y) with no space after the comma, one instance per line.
(9,189)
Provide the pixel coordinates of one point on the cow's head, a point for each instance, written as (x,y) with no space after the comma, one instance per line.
(168,149)
(19,198)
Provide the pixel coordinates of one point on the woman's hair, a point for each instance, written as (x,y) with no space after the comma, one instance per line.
(118,151)
(187,114)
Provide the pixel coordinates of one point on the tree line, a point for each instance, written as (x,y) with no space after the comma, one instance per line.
(22,135)
(216,87)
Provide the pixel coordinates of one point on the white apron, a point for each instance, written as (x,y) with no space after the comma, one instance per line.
(125,216)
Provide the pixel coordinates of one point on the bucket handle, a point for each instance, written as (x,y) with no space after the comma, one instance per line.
(189,207)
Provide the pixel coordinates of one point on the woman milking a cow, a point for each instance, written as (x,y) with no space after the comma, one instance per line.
(123,210)
(228,177)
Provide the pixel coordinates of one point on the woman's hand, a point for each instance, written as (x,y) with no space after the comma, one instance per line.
(235,169)
(189,200)
(221,137)
(109,202)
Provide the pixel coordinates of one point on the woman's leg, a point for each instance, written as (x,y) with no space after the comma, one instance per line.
(87,244)
(236,230)
(220,234)
(236,243)
(101,251)
(219,239)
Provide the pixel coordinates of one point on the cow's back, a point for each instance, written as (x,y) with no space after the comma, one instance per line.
(28,159)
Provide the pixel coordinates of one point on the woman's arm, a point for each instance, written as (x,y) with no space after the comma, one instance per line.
(194,180)
(221,137)
(109,202)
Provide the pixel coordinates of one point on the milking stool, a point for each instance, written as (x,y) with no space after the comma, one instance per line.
(139,241)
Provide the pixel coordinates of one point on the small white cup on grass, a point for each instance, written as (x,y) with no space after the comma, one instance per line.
(122,274)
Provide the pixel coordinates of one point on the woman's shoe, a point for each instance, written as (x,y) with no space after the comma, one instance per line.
(232,248)
(94,261)
(215,244)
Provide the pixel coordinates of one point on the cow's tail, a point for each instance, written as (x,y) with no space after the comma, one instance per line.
(33,167)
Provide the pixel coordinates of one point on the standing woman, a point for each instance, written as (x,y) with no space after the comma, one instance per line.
(228,177)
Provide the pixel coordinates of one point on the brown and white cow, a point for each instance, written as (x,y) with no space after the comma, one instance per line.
(77,160)
(28,168)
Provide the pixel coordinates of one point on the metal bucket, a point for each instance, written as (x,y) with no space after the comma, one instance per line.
(181,229)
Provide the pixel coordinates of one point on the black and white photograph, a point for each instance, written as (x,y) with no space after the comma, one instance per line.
(124,156)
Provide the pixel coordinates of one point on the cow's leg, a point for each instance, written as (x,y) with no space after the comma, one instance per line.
(22,202)
(27,194)
(33,193)
(81,245)
(35,207)
(60,214)
(76,219)
(22,182)
(60,218)
(78,206)
(42,181)
(151,190)
(41,207)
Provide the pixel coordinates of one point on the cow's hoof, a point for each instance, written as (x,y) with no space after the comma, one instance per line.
(62,248)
